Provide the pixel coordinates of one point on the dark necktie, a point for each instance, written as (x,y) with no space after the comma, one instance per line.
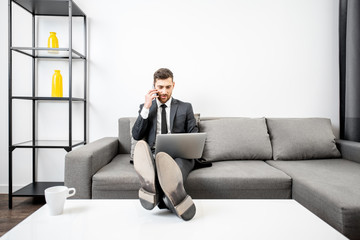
(164,129)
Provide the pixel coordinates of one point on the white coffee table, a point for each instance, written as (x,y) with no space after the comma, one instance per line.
(214,219)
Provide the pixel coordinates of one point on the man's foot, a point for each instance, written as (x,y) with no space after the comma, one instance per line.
(171,182)
(145,168)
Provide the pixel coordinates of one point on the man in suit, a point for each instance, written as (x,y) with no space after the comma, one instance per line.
(162,177)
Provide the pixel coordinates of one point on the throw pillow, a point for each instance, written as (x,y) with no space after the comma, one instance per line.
(302,138)
(236,139)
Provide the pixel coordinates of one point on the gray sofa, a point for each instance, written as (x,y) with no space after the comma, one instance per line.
(253,158)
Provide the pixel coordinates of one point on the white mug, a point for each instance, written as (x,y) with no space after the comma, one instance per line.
(55,198)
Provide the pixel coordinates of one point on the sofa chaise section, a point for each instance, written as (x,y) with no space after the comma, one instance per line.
(324,181)
(330,188)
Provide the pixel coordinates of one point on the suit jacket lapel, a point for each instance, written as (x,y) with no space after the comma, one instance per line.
(173,109)
(153,119)
(153,114)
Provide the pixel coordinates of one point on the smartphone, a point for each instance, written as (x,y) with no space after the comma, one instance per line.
(155,94)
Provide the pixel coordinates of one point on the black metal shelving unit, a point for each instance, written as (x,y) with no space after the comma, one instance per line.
(49,8)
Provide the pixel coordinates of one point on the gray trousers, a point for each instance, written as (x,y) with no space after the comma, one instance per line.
(185,166)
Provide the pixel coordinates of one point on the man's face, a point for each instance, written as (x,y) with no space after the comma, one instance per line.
(165,88)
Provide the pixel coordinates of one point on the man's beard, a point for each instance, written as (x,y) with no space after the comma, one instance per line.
(165,99)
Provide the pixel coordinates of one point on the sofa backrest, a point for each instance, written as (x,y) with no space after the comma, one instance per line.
(256,138)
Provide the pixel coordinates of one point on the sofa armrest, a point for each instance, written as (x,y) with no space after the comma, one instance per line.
(350,150)
(82,163)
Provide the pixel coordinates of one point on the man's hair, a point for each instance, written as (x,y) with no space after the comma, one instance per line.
(163,73)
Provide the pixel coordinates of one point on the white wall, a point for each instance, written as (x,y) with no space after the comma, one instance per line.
(253,58)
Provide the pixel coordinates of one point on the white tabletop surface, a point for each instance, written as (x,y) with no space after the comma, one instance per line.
(214,219)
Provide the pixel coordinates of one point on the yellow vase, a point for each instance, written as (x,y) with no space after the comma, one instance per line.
(57,85)
(53,42)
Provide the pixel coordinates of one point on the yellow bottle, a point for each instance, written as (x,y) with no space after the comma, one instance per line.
(57,85)
(53,42)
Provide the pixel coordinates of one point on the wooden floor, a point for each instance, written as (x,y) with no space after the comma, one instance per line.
(22,208)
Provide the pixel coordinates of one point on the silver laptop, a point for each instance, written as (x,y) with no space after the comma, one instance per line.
(182,145)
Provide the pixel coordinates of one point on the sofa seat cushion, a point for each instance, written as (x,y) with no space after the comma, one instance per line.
(118,179)
(247,179)
(329,188)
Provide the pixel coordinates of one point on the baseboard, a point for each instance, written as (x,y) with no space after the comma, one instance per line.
(4,189)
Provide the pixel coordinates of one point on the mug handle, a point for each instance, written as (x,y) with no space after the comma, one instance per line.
(73,191)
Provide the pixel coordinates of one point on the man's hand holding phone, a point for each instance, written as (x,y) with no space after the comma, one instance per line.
(149,97)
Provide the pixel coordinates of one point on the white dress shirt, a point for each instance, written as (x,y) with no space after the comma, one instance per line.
(145,114)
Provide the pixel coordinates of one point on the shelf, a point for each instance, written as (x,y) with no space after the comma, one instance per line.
(49,98)
(48,144)
(50,7)
(43,52)
(47,8)
(35,189)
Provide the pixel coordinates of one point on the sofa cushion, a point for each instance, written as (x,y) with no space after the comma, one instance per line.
(302,138)
(236,138)
(329,188)
(118,179)
(247,179)
(244,179)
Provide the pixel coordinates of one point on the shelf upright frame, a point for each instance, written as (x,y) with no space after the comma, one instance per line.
(85,79)
(70,76)
(37,188)
(34,106)
(11,149)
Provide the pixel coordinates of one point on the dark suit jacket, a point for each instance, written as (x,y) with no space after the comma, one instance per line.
(182,120)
